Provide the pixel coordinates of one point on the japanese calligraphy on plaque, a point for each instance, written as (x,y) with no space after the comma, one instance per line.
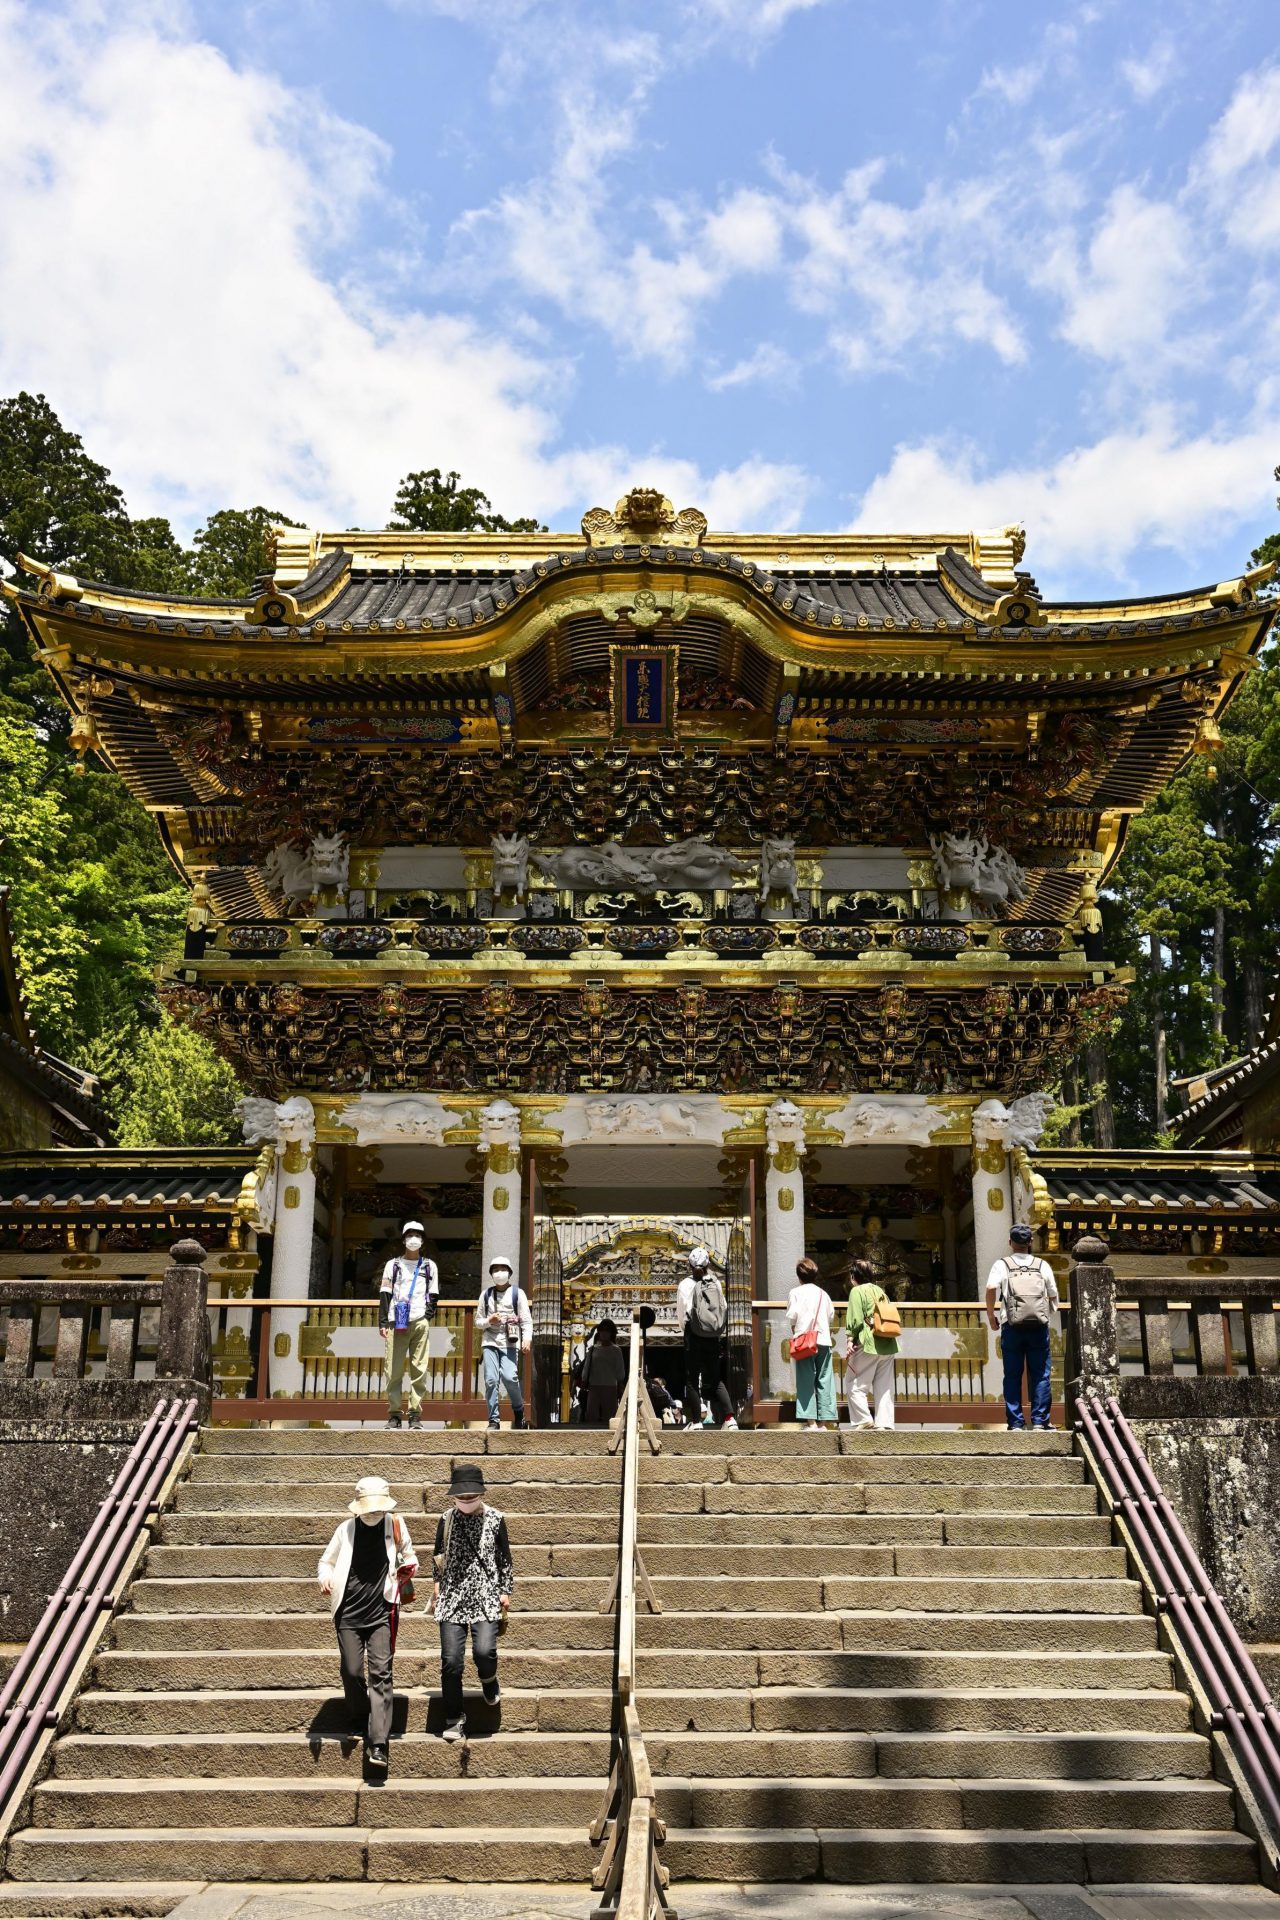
(643,690)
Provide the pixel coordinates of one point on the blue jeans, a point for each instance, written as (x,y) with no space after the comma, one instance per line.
(1026,1345)
(815,1387)
(502,1369)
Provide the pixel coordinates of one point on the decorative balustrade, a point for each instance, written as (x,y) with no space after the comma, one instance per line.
(464,936)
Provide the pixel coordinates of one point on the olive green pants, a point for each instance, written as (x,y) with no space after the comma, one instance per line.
(409,1344)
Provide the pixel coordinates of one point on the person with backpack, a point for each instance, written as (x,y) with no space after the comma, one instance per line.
(1021,1294)
(406,1307)
(703,1313)
(366,1571)
(873,1325)
(474,1580)
(604,1374)
(809,1313)
(506,1332)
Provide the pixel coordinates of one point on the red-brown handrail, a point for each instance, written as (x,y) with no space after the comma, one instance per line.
(1239,1703)
(29,1701)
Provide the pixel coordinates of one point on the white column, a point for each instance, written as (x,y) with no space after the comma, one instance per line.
(294,1231)
(992,1188)
(500,1144)
(783,1196)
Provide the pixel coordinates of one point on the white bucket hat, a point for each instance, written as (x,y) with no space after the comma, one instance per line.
(373,1495)
(412,1226)
(699,1258)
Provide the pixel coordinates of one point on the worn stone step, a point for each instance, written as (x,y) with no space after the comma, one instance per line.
(1204,1805)
(357,1443)
(263,1802)
(977,1596)
(216,1632)
(291,1756)
(1032,1756)
(319,1713)
(415,1667)
(998,1633)
(319,1507)
(870,1496)
(870,1856)
(74,1900)
(896,1469)
(883,1563)
(966,1709)
(770,1594)
(463,1854)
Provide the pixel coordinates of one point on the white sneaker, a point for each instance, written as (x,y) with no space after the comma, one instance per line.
(863,1426)
(456,1730)
(730,1425)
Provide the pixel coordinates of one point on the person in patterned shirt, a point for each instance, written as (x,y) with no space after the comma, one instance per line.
(474,1579)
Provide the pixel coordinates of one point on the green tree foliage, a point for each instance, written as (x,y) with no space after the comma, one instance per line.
(1194,909)
(175,1091)
(233,549)
(432,502)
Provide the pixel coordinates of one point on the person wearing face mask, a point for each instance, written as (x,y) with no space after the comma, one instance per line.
(474,1580)
(506,1331)
(406,1306)
(364,1569)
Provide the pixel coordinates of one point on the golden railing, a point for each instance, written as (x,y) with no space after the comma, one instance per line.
(630,1878)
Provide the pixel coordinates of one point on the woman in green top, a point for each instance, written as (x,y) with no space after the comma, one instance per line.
(869,1361)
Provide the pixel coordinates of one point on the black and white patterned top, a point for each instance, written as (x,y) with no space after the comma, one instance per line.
(479,1569)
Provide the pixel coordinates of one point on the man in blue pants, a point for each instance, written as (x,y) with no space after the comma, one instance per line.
(1021,1295)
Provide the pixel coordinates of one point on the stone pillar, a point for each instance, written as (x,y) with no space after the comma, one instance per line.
(294,1232)
(783,1196)
(1093,1352)
(992,1192)
(500,1145)
(182,1351)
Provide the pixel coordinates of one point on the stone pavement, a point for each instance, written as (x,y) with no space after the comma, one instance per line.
(804,1900)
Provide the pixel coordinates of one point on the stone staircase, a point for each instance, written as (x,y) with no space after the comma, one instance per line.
(891,1658)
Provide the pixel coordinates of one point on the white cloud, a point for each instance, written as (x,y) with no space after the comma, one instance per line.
(1097,504)
(1013,85)
(166,223)
(1148,74)
(768,365)
(1134,278)
(1239,169)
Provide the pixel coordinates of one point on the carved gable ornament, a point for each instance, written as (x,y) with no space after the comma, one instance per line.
(644,518)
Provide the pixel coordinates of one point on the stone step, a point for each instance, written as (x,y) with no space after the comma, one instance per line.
(353,1441)
(994,1494)
(993,1634)
(281,1756)
(219,1473)
(73,1899)
(463,1854)
(245,1543)
(1026,1757)
(977,1596)
(566,1801)
(870,1856)
(418,1657)
(318,1711)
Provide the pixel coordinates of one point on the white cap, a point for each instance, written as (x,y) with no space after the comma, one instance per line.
(699,1257)
(501,1261)
(412,1226)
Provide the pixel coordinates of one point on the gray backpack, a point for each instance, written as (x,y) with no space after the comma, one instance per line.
(1026,1296)
(708,1314)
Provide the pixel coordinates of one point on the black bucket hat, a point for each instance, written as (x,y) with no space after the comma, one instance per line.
(466,1478)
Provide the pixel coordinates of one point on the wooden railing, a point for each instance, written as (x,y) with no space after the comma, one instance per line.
(630,1878)
(948,1368)
(344,1361)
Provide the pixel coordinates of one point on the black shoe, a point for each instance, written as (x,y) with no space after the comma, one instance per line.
(491,1690)
(415,1420)
(495,1426)
(520,1424)
(393,1420)
(377,1759)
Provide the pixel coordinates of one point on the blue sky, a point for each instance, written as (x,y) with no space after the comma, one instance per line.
(804,263)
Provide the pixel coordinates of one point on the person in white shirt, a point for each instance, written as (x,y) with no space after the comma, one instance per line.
(406,1305)
(365,1571)
(506,1331)
(809,1312)
(1021,1294)
(702,1312)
